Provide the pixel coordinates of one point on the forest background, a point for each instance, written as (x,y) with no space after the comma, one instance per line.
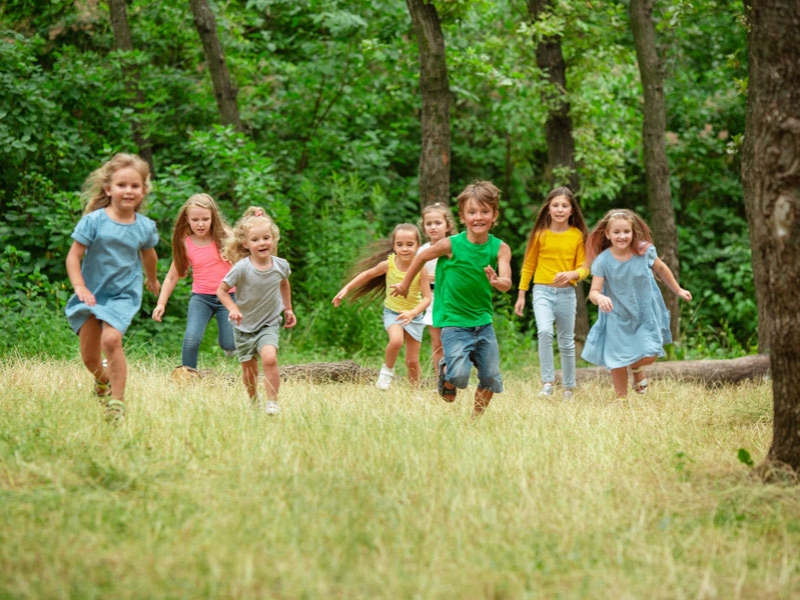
(329,143)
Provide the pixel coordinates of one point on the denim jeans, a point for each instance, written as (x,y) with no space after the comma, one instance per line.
(202,307)
(556,305)
(465,346)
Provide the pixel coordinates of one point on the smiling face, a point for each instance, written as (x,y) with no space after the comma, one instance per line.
(126,190)
(560,210)
(478,217)
(259,241)
(435,224)
(199,220)
(620,233)
(405,244)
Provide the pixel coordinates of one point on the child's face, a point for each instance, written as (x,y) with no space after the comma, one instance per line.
(259,241)
(478,217)
(560,210)
(126,189)
(405,244)
(435,225)
(199,221)
(620,233)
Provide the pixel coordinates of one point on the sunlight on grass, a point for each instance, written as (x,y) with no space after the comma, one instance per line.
(356,493)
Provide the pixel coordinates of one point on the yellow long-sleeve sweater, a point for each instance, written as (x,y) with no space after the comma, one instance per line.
(553,253)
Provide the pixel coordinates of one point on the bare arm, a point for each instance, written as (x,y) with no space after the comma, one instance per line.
(289,319)
(596,295)
(234,314)
(150,263)
(407,316)
(501,280)
(170,281)
(74,257)
(380,269)
(661,269)
(440,248)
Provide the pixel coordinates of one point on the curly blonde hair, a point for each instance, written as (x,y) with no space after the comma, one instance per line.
(254,216)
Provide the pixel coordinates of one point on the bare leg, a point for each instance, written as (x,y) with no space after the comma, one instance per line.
(620,379)
(272,376)
(111,342)
(437,352)
(396,337)
(482,399)
(412,360)
(637,368)
(250,378)
(91,352)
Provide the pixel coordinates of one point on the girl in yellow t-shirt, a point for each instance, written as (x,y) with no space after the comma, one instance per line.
(554,259)
(386,264)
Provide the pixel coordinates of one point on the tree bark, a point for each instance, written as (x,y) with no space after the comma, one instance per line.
(771,181)
(434,161)
(224,90)
(562,169)
(659,196)
(124,41)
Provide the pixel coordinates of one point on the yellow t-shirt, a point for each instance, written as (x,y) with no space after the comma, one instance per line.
(553,253)
(398,303)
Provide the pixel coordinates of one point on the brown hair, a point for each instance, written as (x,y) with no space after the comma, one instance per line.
(543,219)
(482,192)
(597,240)
(93,190)
(220,230)
(374,254)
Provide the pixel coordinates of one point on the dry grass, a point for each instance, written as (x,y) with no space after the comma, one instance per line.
(354,493)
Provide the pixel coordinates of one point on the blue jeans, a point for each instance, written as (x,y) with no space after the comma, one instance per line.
(202,307)
(556,305)
(467,346)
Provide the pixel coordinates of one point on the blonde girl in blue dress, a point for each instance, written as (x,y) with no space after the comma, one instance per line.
(386,264)
(111,244)
(633,322)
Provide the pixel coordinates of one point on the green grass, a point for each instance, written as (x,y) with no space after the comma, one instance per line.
(353,493)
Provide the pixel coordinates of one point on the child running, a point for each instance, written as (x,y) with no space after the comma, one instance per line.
(470,265)
(554,258)
(384,266)
(437,223)
(633,323)
(111,243)
(263,292)
(198,237)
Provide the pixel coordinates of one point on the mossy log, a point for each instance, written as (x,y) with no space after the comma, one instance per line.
(707,371)
(346,371)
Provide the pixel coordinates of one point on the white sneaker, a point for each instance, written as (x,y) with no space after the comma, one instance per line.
(271,407)
(230,353)
(547,390)
(385,378)
(568,395)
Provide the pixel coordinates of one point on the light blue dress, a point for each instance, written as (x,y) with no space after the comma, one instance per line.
(638,325)
(111,268)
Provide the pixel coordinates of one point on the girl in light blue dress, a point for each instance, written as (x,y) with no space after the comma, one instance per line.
(633,322)
(111,244)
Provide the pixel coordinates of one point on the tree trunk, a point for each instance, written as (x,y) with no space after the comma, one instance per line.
(124,42)
(771,181)
(224,90)
(659,196)
(434,161)
(562,169)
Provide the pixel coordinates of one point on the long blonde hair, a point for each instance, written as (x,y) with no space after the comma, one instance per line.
(254,216)
(93,190)
(220,230)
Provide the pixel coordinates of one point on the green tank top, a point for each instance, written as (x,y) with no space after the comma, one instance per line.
(463,291)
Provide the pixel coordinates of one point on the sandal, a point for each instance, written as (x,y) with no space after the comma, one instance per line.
(101,389)
(446,389)
(114,410)
(640,387)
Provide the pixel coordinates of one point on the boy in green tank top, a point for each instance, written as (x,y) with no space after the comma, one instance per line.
(470,265)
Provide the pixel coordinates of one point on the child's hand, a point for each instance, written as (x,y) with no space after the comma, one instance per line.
(564,277)
(289,319)
(405,317)
(685,294)
(153,286)
(519,307)
(235,316)
(85,296)
(494,278)
(337,299)
(158,312)
(604,303)
(398,289)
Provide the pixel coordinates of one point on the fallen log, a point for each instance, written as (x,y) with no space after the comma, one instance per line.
(706,371)
(346,371)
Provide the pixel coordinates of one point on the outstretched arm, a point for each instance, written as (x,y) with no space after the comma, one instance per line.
(170,281)
(234,314)
(661,269)
(501,279)
(405,317)
(440,248)
(380,269)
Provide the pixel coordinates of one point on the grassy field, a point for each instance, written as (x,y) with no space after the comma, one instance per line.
(354,493)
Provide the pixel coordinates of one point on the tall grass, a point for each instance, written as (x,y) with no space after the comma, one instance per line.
(354,493)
